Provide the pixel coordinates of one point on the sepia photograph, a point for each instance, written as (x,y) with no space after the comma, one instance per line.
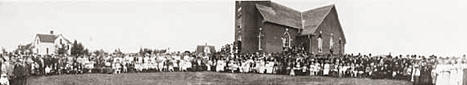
(233,42)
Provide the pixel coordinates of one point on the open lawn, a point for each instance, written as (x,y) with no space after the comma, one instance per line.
(202,78)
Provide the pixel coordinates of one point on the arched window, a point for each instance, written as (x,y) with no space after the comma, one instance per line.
(286,39)
(239,38)
(340,45)
(320,42)
(260,37)
(331,42)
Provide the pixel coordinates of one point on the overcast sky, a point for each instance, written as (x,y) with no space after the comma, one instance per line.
(371,26)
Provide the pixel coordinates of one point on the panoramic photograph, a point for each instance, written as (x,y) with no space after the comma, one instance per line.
(233,42)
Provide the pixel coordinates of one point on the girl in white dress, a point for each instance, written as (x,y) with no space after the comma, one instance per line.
(326,69)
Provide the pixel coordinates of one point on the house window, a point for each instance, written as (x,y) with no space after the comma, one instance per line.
(47,50)
(320,42)
(61,41)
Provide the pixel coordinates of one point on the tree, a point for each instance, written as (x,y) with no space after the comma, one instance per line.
(4,51)
(23,49)
(100,52)
(63,49)
(74,48)
(148,51)
(85,52)
(77,49)
(141,52)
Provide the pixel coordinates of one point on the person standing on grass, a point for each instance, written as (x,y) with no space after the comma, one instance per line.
(19,73)
(416,74)
(208,64)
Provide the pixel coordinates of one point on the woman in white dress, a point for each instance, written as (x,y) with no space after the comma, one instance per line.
(233,66)
(146,63)
(442,75)
(220,65)
(208,64)
(182,65)
(269,67)
(326,69)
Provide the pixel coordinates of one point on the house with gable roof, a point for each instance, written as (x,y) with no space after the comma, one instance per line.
(49,44)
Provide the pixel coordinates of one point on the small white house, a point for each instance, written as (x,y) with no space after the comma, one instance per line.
(48,44)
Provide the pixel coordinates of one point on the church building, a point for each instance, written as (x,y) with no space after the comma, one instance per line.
(265,26)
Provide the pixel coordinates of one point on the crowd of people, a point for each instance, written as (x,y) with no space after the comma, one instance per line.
(17,68)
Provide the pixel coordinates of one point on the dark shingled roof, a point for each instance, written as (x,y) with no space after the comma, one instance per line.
(307,20)
(313,18)
(47,38)
(278,14)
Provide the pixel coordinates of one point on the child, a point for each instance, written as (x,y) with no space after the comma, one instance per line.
(4,80)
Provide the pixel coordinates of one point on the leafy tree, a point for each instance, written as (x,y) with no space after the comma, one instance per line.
(77,49)
(63,49)
(74,48)
(4,51)
(141,52)
(86,52)
(99,52)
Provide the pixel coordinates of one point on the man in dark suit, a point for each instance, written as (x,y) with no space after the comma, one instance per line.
(19,73)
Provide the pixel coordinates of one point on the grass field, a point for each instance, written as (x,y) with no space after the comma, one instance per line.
(202,78)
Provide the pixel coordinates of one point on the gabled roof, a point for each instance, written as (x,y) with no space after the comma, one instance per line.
(66,40)
(278,14)
(308,21)
(201,48)
(314,17)
(47,38)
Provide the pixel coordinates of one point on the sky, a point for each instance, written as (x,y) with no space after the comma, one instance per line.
(380,27)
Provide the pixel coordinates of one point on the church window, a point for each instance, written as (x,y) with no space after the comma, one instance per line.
(331,42)
(260,37)
(286,39)
(340,45)
(239,37)
(320,42)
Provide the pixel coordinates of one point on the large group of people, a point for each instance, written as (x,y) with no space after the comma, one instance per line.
(17,68)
